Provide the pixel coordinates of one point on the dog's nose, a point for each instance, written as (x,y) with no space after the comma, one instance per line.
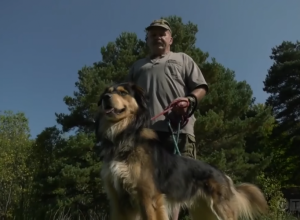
(106,97)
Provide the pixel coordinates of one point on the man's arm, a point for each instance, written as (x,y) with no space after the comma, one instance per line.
(199,93)
(195,80)
(196,85)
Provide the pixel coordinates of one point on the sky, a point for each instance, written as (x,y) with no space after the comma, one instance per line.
(43,44)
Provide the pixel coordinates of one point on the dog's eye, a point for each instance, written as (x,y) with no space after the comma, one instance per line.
(123,93)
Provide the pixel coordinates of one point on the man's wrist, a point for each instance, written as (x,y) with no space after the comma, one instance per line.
(191,99)
(192,104)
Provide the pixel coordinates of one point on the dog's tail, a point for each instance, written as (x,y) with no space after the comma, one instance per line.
(249,202)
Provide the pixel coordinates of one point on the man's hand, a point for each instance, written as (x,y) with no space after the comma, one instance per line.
(184,104)
(181,106)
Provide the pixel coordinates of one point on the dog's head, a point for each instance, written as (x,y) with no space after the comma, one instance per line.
(121,101)
(125,102)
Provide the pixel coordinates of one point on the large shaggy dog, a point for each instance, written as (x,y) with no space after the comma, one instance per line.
(143,181)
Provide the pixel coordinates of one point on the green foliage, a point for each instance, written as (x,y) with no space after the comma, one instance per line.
(226,120)
(282,81)
(16,170)
(69,178)
(117,57)
(283,84)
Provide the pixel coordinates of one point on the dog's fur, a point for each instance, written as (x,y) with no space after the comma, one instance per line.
(143,181)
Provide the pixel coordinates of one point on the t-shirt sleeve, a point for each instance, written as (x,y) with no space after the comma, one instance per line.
(193,75)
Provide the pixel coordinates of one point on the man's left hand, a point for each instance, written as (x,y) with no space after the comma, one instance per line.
(181,107)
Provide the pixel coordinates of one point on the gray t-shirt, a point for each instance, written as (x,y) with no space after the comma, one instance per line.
(172,76)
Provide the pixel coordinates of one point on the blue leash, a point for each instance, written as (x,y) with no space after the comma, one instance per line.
(176,150)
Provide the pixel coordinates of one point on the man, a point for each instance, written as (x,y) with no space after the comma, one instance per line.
(167,76)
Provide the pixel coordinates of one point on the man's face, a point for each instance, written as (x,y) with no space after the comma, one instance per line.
(159,40)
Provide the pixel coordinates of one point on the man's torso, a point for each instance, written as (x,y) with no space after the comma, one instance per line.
(164,80)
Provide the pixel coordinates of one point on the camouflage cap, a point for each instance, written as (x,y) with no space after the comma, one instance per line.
(159,23)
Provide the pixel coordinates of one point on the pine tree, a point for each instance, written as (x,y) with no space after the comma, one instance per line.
(67,180)
(117,57)
(283,84)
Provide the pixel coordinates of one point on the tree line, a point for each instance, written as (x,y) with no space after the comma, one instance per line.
(56,176)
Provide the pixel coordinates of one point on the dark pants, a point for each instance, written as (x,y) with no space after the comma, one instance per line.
(186,143)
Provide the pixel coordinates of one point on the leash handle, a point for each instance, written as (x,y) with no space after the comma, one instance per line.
(170,107)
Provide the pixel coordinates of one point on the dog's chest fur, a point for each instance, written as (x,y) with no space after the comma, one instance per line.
(119,175)
(119,178)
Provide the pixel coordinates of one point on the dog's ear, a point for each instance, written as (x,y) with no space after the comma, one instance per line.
(140,96)
(100,98)
(97,116)
(99,101)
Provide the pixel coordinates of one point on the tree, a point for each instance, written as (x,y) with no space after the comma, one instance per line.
(283,84)
(16,170)
(227,119)
(67,181)
(117,58)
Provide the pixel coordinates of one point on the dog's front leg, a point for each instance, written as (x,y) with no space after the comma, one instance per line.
(114,203)
(152,206)
(120,209)
(147,207)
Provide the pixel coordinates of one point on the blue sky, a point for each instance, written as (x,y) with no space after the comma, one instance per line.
(43,44)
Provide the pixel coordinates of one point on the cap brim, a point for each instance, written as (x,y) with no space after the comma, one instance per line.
(158,25)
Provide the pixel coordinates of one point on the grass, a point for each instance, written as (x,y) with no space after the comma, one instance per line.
(64,214)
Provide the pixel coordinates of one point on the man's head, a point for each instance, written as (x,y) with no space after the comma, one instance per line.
(159,37)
